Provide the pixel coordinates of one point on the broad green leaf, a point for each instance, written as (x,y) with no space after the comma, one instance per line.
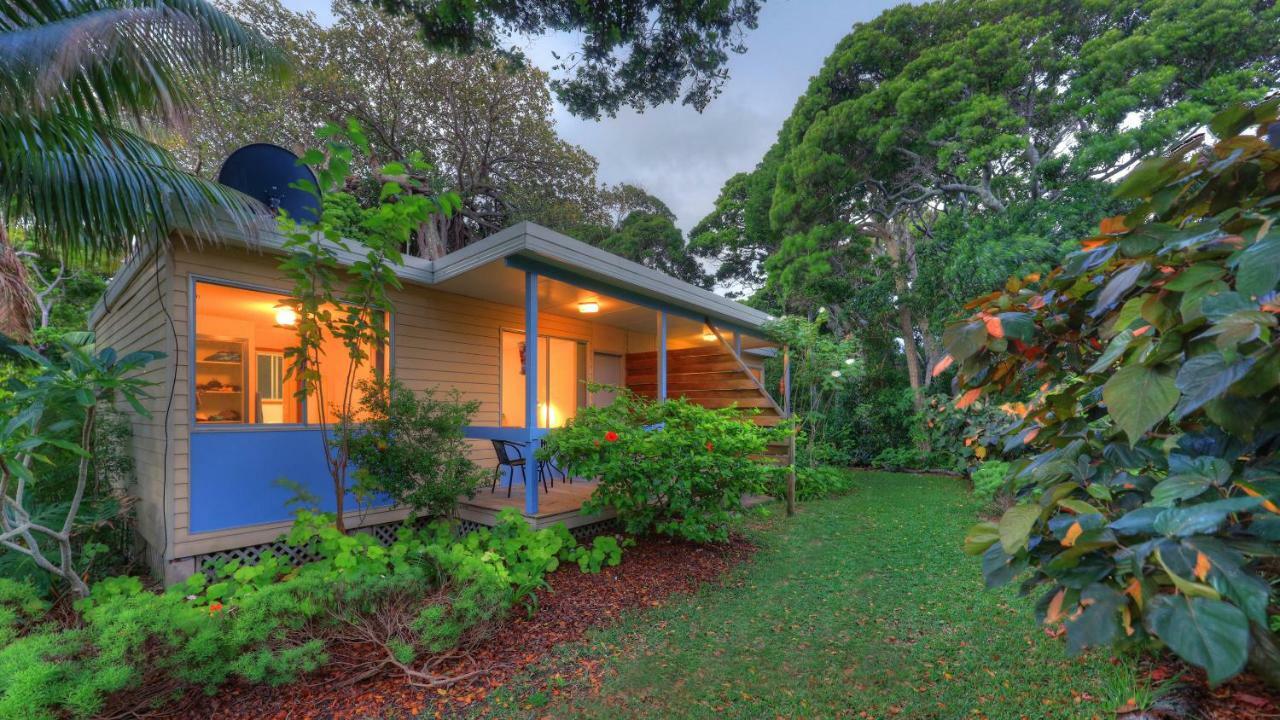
(1098,623)
(1258,267)
(1138,397)
(1195,276)
(1114,350)
(980,537)
(1205,377)
(1015,527)
(1121,283)
(1018,326)
(1229,576)
(1210,634)
(1204,518)
(1180,487)
(965,339)
(1185,586)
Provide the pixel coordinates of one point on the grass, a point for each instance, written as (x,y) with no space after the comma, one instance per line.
(862,606)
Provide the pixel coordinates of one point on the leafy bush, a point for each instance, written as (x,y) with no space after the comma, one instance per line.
(412,606)
(1148,502)
(47,450)
(411,447)
(822,481)
(671,467)
(988,478)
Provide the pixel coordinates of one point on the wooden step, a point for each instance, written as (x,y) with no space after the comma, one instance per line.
(701,375)
(700,351)
(692,364)
(729,382)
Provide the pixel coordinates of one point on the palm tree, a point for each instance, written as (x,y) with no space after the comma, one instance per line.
(81,83)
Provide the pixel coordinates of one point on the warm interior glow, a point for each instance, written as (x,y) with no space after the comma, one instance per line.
(709,336)
(561,370)
(241,336)
(590,306)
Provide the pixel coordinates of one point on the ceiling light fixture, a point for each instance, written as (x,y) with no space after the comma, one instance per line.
(709,336)
(286,317)
(589,307)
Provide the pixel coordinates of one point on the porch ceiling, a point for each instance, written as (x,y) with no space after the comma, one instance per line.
(499,282)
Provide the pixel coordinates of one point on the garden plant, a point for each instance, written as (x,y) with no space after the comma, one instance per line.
(670,466)
(413,607)
(1147,497)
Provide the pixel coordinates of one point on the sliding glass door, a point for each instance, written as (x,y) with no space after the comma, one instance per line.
(562,371)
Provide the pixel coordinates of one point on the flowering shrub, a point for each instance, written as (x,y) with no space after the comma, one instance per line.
(424,599)
(671,467)
(1148,496)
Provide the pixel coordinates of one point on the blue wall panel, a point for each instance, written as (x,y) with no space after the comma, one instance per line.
(234,474)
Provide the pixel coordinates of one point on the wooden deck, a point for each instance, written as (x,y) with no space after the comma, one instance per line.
(563,503)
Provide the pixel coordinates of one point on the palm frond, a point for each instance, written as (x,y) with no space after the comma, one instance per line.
(85,188)
(110,57)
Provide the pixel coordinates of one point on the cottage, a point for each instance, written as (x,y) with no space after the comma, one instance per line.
(519,321)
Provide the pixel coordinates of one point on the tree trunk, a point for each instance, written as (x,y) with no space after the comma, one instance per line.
(901,247)
(15,295)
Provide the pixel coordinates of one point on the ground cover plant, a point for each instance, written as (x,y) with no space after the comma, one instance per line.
(1147,500)
(414,607)
(853,608)
(671,467)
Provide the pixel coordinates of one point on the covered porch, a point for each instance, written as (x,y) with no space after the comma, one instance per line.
(616,326)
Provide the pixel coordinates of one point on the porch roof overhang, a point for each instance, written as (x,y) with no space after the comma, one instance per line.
(524,246)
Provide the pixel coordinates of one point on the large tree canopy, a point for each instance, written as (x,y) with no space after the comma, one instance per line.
(640,227)
(484,123)
(937,140)
(633,52)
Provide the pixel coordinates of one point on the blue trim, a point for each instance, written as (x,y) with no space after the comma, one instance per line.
(235,474)
(662,356)
(586,283)
(514,434)
(531,388)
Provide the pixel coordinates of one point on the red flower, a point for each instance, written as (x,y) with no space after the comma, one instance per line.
(710,447)
(214,607)
(611,436)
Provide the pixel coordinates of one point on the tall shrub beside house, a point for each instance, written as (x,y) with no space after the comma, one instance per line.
(1149,499)
(671,467)
(350,304)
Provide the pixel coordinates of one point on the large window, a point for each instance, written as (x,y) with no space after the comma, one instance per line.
(562,370)
(240,367)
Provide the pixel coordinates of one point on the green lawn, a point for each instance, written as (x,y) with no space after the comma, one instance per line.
(861,606)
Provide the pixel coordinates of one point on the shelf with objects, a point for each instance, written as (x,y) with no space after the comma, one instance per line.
(221,380)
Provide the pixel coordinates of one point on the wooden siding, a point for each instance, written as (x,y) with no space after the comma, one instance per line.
(131,320)
(439,340)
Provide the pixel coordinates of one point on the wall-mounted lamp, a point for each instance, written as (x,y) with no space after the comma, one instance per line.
(286,317)
(709,336)
(590,306)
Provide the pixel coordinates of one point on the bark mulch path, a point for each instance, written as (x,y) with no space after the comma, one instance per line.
(650,573)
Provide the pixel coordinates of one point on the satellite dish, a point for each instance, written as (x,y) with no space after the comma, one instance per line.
(264,172)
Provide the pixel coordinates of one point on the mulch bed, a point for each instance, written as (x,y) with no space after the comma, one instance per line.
(1244,698)
(650,573)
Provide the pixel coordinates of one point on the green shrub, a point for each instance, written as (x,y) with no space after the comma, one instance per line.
(427,595)
(988,478)
(815,483)
(899,458)
(671,467)
(1148,502)
(410,446)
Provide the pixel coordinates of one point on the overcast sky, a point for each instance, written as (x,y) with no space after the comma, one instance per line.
(680,155)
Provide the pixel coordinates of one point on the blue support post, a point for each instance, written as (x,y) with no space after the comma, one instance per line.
(662,356)
(737,344)
(531,391)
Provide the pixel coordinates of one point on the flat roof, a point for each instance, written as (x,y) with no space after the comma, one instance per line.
(526,246)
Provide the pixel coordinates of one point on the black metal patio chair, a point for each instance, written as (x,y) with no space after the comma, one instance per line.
(513,460)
